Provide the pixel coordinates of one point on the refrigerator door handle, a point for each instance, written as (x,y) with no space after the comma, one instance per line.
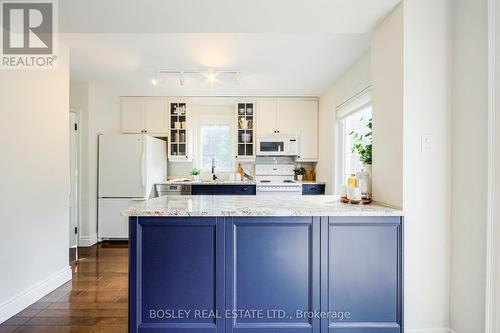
(143,169)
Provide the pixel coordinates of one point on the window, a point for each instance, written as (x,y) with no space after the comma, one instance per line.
(351,119)
(215,143)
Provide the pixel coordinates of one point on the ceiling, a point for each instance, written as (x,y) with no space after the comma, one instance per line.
(281,47)
(270,65)
(221,16)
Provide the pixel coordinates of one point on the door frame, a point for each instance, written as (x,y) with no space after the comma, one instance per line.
(492,309)
(77,113)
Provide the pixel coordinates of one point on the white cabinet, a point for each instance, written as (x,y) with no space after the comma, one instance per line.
(290,116)
(287,112)
(144,115)
(132,115)
(266,117)
(308,130)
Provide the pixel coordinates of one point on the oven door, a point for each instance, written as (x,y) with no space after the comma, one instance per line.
(279,190)
(272,147)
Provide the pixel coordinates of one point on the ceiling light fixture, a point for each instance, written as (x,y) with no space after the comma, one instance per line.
(210,75)
(154,81)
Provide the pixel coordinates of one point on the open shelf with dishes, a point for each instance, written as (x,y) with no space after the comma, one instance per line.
(246,131)
(179,138)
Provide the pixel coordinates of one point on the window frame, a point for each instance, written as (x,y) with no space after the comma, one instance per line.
(351,106)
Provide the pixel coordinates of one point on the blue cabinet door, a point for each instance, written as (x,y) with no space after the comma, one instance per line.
(361,269)
(176,275)
(272,274)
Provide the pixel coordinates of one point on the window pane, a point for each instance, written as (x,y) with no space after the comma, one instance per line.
(357,123)
(215,143)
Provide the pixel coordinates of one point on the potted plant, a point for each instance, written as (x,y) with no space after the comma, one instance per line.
(299,173)
(362,144)
(195,172)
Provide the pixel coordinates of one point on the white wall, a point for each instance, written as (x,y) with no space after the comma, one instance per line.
(34,195)
(426,175)
(469,171)
(353,80)
(387,99)
(100,114)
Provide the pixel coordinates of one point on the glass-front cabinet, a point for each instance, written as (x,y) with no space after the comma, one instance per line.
(179,132)
(245,117)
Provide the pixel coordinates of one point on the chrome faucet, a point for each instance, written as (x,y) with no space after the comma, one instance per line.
(214,177)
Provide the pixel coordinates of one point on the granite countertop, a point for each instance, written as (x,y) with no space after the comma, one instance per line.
(225,182)
(206,205)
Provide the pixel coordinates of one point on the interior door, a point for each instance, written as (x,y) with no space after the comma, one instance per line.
(73,180)
(122,166)
(155,116)
(287,116)
(266,117)
(132,110)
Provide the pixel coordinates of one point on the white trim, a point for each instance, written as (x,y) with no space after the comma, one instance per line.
(34,293)
(491,322)
(86,241)
(430,330)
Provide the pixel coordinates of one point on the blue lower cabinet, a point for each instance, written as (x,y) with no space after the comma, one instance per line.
(362,274)
(177,275)
(272,274)
(223,189)
(266,275)
(313,189)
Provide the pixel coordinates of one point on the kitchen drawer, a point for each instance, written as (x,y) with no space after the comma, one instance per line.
(313,189)
(243,189)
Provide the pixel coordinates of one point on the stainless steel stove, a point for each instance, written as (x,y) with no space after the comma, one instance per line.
(276,179)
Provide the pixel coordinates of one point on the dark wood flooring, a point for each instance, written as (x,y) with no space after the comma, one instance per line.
(94,301)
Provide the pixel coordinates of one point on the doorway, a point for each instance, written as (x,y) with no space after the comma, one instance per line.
(73,185)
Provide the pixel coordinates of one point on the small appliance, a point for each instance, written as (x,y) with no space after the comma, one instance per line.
(277,146)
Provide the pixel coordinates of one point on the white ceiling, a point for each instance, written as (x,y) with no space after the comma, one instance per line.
(281,47)
(270,64)
(227,16)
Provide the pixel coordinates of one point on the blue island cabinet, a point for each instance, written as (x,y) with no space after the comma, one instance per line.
(176,275)
(361,274)
(272,269)
(293,274)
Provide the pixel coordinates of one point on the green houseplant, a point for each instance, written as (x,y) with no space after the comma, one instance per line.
(362,144)
(299,173)
(195,172)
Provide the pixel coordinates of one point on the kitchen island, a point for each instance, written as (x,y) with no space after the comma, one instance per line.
(264,264)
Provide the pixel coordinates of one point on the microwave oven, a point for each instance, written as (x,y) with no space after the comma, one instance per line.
(277,146)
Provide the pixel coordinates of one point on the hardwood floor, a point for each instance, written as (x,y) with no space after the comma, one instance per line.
(94,301)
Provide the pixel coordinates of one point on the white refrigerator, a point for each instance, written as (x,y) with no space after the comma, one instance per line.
(129,166)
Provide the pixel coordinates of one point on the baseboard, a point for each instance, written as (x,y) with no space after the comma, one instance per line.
(86,241)
(33,294)
(429,330)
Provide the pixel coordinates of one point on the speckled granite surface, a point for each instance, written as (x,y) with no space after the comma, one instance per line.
(218,205)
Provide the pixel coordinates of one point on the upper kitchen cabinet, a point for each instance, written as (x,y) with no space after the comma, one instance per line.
(180,141)
(265,124)
(308,130)
(287,116)
(245,114)
(290,116)
(144,115)
(277,116)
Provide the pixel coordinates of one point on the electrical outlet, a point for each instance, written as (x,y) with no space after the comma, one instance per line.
(427,142)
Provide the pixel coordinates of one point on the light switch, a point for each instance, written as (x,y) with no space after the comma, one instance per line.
(426,142)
